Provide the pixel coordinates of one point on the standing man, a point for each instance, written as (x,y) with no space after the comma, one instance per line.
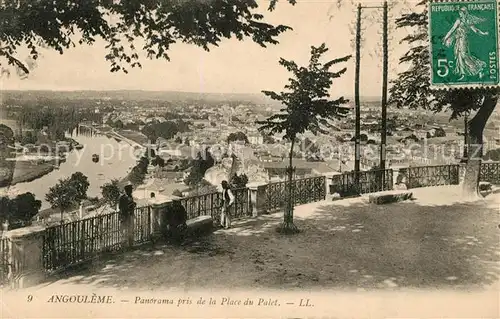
(227,202)
(127,207)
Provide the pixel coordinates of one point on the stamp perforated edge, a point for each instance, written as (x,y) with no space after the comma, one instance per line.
(448,87)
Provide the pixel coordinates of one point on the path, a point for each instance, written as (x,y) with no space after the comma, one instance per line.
(435,241)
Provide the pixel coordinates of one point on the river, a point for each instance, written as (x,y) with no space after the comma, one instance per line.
(116,159)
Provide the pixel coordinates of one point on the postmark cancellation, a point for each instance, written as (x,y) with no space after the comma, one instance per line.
(463,44)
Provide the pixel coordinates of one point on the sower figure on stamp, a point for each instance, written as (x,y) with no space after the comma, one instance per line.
(127,208)
(227,202)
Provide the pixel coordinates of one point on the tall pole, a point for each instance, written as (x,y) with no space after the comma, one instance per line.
(383,129)
(466,139)
(356,94)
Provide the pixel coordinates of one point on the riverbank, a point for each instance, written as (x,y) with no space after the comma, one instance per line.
(28,172)
(134,136)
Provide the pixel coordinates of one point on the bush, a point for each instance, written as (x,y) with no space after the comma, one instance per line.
(177,193)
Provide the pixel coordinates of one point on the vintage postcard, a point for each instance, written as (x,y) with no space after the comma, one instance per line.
(249,159)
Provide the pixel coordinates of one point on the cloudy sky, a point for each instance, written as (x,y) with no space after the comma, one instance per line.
(234,66)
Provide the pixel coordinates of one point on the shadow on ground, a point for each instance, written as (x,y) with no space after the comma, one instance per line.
(342,245)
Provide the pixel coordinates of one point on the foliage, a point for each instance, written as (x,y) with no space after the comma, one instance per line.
(109,122)
(93,200)
(81,184)
(28,138)
(143,164)
(158,161)
(63,195)
(198,168)
(111,192)
(20,210)
(166,130)
(412,89)
(268,139)
(307,107)
(238,136)
(177,193)
(128,27)
(56,119)
(150,153)
(202,188)
(172,116)
(136,176)
(238,181)
(118,124)
(306,104)
(138,172)
(6,167)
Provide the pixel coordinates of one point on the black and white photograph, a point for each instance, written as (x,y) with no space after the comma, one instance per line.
(246,159)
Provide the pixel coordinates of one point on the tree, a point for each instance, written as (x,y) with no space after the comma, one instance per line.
(166,130)
(6,167)
(136,176)
(109,122)
(239,181)
(20,210)
(199,166)
(412,89)
(118,124)
(81,184)
(143,164)
(238,136)
(158,24)
(29,138)
(158,161)
(111,192)
(307,107)
(268,139)
(150,153)
(62,196)
(177,193)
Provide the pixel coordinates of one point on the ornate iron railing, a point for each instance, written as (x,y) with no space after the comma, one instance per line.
(425,176)
(490,172)
(305,190)
(348,184)
(211,204)
(79,241)
(4,260)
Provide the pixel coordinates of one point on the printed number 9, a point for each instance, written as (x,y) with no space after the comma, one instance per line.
(30,298)
(443,67)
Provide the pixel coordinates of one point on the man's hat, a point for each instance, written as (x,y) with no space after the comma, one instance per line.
(128,185)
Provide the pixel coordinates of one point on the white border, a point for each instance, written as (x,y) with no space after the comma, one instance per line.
(429,36)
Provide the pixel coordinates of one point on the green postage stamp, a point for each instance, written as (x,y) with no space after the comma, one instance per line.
(463,44)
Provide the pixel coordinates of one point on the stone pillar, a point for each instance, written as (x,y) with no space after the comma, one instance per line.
(80,211)
(328,181)
(257,198)
(461,173)
(26,256)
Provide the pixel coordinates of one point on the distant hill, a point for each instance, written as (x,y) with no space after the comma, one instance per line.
(139,95)
(133,95)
